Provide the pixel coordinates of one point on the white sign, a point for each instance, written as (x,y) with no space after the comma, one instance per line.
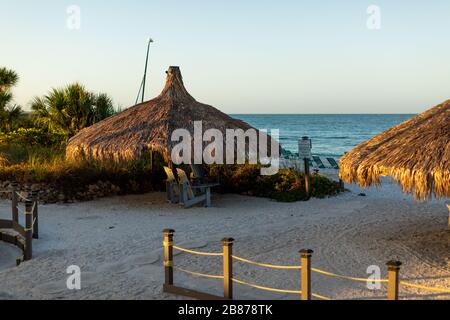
(304,149)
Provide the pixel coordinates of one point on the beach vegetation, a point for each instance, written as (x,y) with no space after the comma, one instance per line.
(288,185)
(10,113)
(70,109)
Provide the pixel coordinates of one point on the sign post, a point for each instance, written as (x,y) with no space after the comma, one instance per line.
(305,153)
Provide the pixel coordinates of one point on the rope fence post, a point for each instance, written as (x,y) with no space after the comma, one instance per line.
(228,268)
(28,231)
(393,279)
(305,258)
(168,256)
(34,197)
(15,202)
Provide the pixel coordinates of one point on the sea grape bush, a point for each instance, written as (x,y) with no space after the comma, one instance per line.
(28,137)
(286,186)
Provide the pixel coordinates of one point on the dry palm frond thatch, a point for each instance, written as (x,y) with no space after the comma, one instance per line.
(149,125)
(415,153)
(3,160)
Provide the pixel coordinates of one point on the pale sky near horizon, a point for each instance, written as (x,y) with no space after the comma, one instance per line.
(239,56)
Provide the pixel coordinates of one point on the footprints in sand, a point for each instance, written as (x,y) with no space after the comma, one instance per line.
(145,266)
(60,286)
(93,279)
(130,263)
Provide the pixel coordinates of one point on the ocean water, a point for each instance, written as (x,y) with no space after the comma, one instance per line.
(332,135)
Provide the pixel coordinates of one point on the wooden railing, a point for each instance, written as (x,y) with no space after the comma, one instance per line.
(25,233)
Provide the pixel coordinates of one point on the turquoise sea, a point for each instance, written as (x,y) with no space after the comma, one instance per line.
(332,135)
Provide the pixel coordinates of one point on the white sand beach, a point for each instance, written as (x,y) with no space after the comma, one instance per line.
(117,242)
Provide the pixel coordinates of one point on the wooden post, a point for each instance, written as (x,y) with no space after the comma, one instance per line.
(393,279)
(341,185)
(28,231)
(34,195)
(168,256)
(151,160)
(15,202)
(305,258)
(448,206)
(307,177)
(228,268)
(304,152)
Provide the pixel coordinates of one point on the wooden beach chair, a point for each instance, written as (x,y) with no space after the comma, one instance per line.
(172,186)
(188,197)
(198,175)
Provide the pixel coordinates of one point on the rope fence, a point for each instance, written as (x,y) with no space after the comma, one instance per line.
(22,197)
(305,293)
(329,274)
(271,266)
(416,286)
(198,253)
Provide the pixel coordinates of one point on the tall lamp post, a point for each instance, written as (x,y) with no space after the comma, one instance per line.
(142,87)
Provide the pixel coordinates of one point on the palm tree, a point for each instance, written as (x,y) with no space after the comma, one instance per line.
(8,79)
(71,109)
(11,118)
(10,115)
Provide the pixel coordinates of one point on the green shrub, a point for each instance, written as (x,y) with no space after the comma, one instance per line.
(323,187)
(285,186)
(33,137)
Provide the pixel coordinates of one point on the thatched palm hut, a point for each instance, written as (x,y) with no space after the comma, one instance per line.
(148,126)
(415,153)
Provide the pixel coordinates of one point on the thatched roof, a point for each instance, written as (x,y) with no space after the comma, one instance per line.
(3,160)
(415,153)
(149,125)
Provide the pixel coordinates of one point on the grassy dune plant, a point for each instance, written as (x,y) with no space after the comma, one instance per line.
(3,160)
(48,166)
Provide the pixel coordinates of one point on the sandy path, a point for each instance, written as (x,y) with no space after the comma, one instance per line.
(9,254)
(117,243)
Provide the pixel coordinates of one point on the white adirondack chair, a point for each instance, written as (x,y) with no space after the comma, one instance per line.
(188,197)
(172,187)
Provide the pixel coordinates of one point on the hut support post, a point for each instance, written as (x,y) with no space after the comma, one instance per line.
(305,257)
(151,160)
(228,268)
(393,279)
(28,231)
(15,202)
(35,214)
(448,206)
(341,185)
(168,256)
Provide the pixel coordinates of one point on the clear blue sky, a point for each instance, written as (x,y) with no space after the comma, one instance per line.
(240,56)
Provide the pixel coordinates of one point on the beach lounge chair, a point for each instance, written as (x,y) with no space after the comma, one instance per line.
(172,186)
(333,163)
(319,162)
(188,197)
